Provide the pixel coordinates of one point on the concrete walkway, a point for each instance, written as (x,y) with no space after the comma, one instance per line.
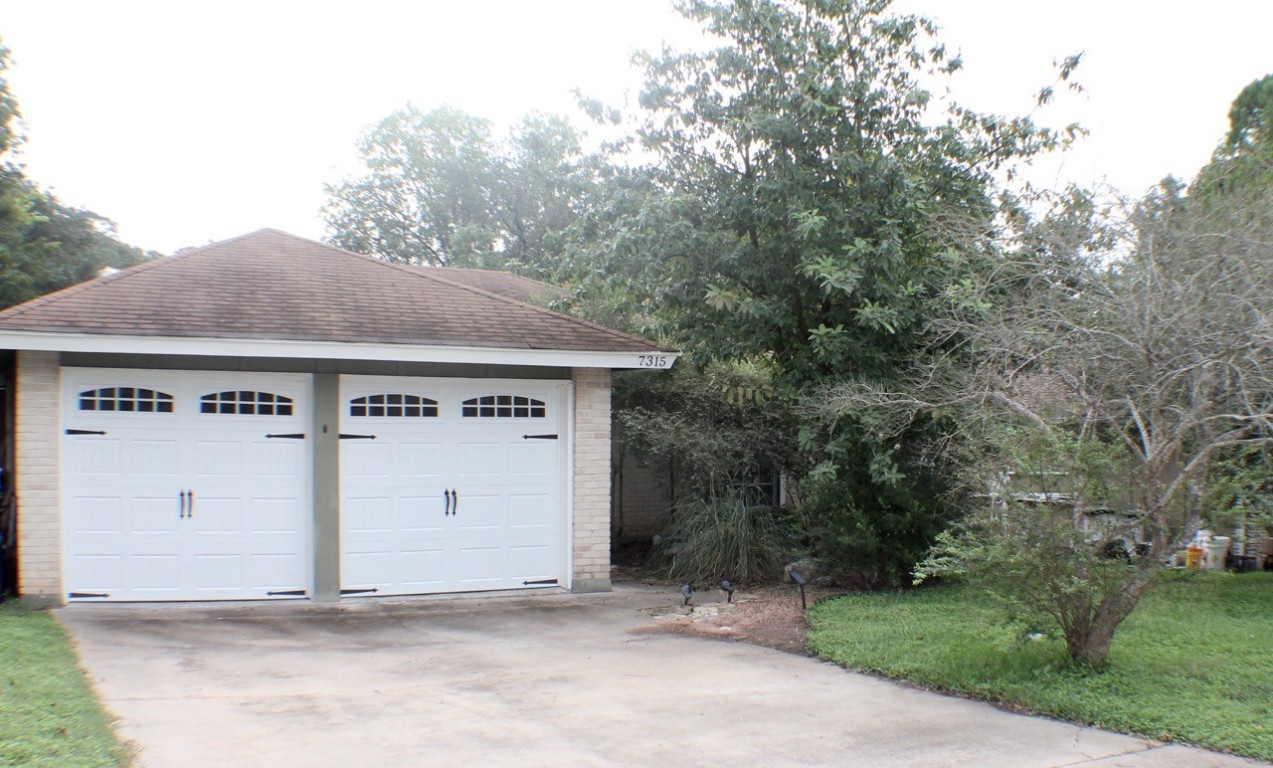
(548,680)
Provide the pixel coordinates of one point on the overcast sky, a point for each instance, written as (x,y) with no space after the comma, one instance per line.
(191,122)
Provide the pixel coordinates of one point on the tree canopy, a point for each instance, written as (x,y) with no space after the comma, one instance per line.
(809,203)
(439,190)
(45,245)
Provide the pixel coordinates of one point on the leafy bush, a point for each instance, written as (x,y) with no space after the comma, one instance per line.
(875,515)
(723,538)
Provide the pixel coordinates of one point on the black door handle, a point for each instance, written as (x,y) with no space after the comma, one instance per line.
(181,502)
(191,511)
(455,503)
(446,501)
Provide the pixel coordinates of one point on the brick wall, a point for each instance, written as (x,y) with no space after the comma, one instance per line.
(591,555)
(37,419)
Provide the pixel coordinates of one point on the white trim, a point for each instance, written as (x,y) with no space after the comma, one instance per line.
(568,482)
(177,345)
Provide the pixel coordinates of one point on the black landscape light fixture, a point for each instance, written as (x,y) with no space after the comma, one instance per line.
(729,589)
(687,591)
(799,579)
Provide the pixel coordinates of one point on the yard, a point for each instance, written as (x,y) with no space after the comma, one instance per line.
(51,716)
(1193,664)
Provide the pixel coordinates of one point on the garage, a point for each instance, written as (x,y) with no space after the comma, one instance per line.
(181,485)
(269,417)
(451,486)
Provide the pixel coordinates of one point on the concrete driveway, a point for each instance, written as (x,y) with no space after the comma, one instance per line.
(548,680)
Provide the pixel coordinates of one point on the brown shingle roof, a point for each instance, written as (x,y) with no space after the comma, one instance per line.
(271,285)
(504,284)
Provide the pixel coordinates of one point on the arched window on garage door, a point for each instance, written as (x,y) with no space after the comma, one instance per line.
(126,399)
(246,403)
(504,407)
(394,406)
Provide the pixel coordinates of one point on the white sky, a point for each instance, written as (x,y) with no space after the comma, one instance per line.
(187,122)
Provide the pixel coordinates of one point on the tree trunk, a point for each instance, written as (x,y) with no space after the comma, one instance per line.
(1088,642)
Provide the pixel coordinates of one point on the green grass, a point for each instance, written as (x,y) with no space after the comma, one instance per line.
(1193,663)
(49,715)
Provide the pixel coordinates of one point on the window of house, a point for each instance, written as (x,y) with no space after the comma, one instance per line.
(394,406)
(246,403)
(504,407)
(126,399)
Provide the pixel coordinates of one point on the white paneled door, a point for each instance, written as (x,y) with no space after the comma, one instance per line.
(185,485)
(452,485)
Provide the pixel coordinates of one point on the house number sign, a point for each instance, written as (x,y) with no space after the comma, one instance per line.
(654,361)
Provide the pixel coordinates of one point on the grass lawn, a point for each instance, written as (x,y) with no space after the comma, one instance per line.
(49,715)
(1193,663)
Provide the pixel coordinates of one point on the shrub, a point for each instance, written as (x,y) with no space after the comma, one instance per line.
(723,537)
(875,517)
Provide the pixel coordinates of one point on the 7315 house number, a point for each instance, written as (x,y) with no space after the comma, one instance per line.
(652,361)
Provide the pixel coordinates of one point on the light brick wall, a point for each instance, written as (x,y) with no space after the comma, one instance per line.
(591,555)
(37,424)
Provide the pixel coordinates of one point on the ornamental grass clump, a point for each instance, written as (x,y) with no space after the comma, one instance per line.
(723,537)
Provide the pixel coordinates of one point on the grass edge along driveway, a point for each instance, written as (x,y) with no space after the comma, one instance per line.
(51,715)
(1193,663)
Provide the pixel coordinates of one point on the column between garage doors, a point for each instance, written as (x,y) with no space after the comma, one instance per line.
(326,494)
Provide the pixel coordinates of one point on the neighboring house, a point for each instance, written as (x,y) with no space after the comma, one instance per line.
(271,417)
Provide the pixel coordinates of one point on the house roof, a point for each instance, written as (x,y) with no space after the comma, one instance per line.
(504,284)
(272,286)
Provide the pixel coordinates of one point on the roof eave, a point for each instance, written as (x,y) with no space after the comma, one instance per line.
(326,350)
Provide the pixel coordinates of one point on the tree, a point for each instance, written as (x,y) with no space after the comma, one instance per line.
(1251,120)
(809,206)
(1245,157)
(546,183)
(440,191)
(45,245)
(426,196)
(1131,358)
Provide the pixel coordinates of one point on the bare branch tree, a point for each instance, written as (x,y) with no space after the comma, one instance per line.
(1144,326)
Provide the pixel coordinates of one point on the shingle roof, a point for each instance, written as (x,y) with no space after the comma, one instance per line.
(505,284)
(272,285)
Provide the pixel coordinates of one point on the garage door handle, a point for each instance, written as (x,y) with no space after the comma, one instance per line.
(190,511)
(181,498)
(455,503)
(446,500)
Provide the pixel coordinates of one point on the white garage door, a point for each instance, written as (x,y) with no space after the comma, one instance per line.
(452,485)
(184,485)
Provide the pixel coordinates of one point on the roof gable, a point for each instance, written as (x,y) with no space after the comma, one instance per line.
(269,285)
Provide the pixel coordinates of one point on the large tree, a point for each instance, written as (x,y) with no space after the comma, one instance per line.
(809,199)
(1096,373)
(45,245)
(1111,378)
(1244,158)
(439,190)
